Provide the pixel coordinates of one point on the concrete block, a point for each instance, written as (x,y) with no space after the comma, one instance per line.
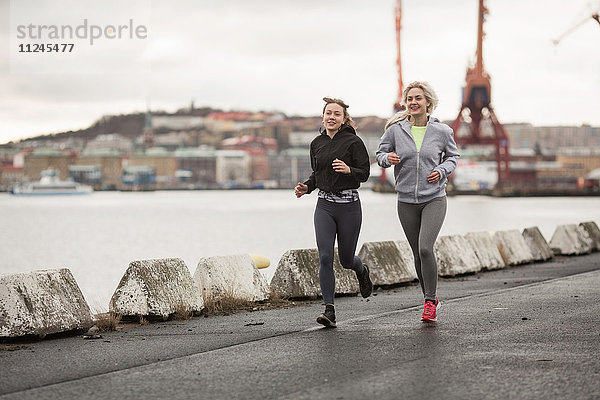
(41,303)
(297,275)
(512,247)
(570,239)
(593,232)
(235,275)
(455,256)
(406,253)
(156,288)
(486,250)
(540,250)
(387,263)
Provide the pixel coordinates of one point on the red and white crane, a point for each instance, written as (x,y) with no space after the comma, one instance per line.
(476,109)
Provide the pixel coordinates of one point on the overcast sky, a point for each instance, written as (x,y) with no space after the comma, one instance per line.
(285,55)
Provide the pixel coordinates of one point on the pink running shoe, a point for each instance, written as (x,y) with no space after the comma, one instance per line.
(430,311)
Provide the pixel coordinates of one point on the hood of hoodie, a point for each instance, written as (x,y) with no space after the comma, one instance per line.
(343,128)
(346,146)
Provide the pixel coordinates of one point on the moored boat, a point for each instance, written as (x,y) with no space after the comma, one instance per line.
(50,184)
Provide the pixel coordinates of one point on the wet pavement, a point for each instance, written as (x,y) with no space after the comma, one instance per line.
(525,332)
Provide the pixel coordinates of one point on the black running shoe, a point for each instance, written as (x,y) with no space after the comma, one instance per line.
(364,281)
(327,318)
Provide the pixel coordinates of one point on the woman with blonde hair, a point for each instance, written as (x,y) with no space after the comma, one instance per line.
(423,153)
(339,162)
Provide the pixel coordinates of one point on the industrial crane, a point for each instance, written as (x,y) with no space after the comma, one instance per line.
(595,16)
(383,185)
(476,109)
(398,106)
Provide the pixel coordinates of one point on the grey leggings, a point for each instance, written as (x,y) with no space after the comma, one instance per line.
(342,220)
(422,224)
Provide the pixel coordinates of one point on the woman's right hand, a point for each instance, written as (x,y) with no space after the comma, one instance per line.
(300,189)
(393,158)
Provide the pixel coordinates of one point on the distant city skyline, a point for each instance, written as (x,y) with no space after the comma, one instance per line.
(285,56)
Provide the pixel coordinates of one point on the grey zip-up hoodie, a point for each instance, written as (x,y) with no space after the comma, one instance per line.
(438,153)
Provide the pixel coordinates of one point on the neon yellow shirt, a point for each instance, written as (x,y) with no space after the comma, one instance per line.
(418,132)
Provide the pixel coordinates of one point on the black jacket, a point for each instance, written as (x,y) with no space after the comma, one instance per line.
(345,146)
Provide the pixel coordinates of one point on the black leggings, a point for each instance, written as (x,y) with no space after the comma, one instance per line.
(343,220)
(422,224)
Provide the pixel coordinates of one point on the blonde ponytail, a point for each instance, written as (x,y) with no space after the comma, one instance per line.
(399,116)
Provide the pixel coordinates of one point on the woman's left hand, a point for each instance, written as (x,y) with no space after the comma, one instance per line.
(433,177)
(340,166)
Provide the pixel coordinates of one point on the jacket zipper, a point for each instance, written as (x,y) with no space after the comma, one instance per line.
(330,176)
(417,181)
(419,163)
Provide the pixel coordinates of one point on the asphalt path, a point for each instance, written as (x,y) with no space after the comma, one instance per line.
(527,332)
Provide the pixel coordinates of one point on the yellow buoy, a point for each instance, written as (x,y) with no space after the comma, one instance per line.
(260,261)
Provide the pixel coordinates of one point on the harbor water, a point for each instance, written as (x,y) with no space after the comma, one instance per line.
(97,235)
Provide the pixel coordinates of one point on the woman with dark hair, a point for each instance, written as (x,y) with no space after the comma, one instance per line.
(423,153)
(340,162)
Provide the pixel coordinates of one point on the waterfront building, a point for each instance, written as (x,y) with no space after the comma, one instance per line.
(580,163)
(42,158)
(110,162)
(163,163)
(233,168)
(291,166)
(257,148)
(87,174)
(7,155)
(474,176)
(139,178)
(550,138)
(9,176)
(201,162)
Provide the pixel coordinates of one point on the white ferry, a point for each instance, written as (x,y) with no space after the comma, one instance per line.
(50,184)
